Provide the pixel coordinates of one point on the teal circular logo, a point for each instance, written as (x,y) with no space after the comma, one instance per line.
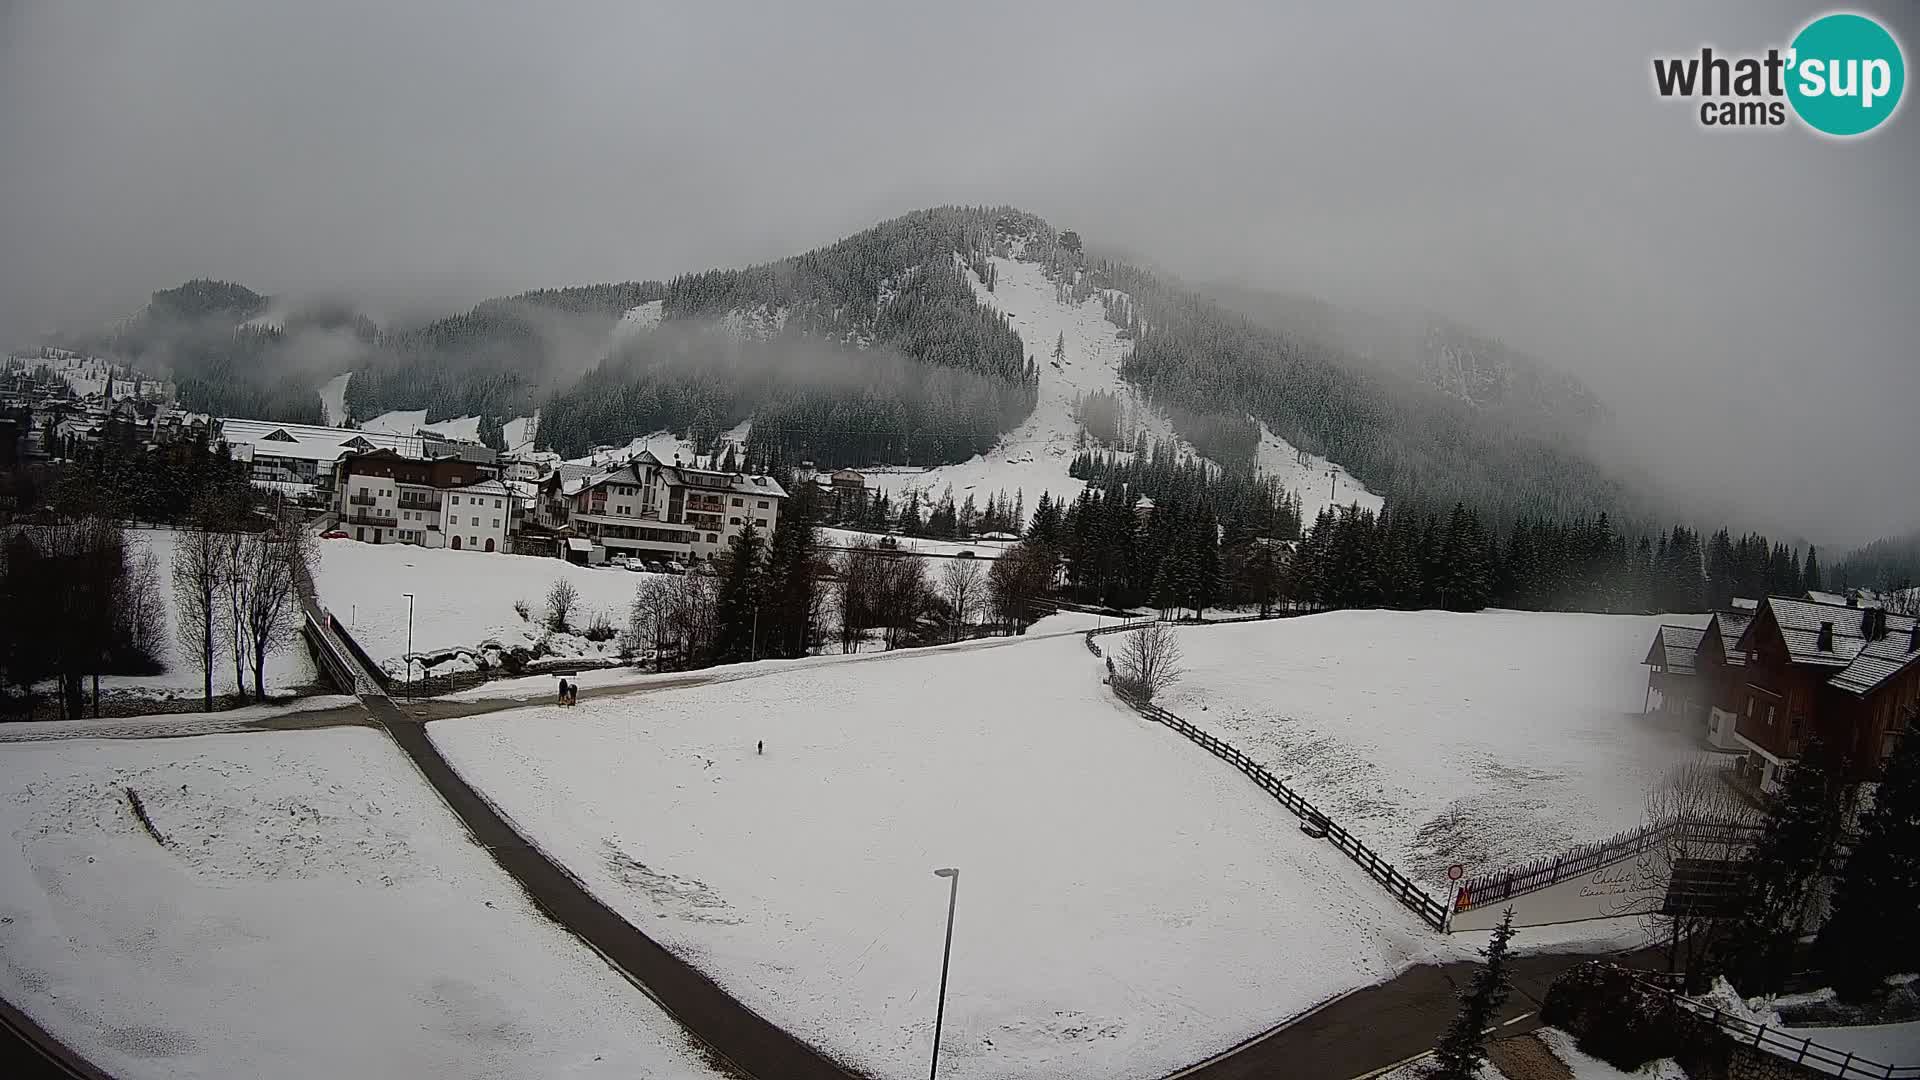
(1846,74)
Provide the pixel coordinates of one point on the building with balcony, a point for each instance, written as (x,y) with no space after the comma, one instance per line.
(385,497)
(649,509)
(1850,674)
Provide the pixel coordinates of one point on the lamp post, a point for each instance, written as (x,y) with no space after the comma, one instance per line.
(409,597)
(946,955)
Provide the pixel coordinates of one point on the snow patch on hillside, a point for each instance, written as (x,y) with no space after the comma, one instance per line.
(519,433)
(761,323)
(638,320)
(1035,456)
(333,400)
(1307,474)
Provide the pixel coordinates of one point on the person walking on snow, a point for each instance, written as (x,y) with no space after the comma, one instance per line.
(760,747)
(563,691)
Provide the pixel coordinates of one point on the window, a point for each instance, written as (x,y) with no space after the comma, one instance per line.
(737,502)
(456,500)
(496,523)
(1749,708)
(733,521)
(496,504)
(712,539)
(1769,716)
(761,522)
(472,540)
(763,504)
(476,521)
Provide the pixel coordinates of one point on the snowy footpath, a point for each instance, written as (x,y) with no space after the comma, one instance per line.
(1126,906)
(1438,737)
(313,912)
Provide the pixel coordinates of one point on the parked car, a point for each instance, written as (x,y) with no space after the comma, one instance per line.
(964,555)
(637,566)
(335,534)
(619,562)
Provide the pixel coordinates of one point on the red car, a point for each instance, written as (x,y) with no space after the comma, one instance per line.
(334,534)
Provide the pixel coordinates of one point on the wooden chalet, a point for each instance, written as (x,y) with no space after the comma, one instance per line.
(1850,673)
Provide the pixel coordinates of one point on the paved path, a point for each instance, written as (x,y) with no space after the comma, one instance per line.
(1380,1026)
(31,1053)
(742,1038)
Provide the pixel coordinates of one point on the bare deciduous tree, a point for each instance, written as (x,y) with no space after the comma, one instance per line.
(1149,660)
(560,601)
(673,615)
(1685,925)
(198,565)
(960,584)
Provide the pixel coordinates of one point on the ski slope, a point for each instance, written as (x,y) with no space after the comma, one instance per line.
(333,400)
(1034,457)
(1127,904)
(314,912)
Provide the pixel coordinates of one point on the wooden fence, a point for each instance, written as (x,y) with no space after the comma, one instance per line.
(1500,886)
(1431,911)
(1805,1052)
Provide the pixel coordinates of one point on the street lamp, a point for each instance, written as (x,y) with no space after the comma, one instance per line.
(940,1012)
(409,597)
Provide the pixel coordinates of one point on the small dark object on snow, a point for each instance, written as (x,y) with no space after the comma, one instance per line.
(760,747)
(563,691)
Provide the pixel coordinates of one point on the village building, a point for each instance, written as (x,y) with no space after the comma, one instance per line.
(300,459)
(1850,674)
(388,498)
(647,509)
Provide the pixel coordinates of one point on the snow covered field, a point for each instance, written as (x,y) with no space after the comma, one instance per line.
(1126,904)
(413,421)
(1484,738)
(288,670)
(1034,457)
(315,913)
(462,599)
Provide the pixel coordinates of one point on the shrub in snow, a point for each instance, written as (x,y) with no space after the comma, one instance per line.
(601,628)
(1149,661)
(1626,1023)
(560,600)
(521,608)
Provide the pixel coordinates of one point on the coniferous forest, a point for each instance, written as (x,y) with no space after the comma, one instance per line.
(874,350)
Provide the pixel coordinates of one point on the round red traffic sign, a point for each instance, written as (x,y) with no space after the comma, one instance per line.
(1456,872)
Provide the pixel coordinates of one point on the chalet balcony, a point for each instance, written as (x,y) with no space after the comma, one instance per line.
(419,504)
(373,517)
(362,499)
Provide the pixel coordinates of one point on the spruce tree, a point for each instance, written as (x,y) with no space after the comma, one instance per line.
(1782,875)
(1872,932)
(736,608)
(1464,1047)
(1810,577)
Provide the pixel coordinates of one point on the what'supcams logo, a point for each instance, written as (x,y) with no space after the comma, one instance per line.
(1842,75)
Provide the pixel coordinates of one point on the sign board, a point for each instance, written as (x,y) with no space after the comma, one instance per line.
(1456,872)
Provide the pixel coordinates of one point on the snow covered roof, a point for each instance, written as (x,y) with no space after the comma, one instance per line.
(311,442)
(1863,665)
(483,487)
(1673,648)
(1732,624)
(1878,662)
(577,543)
(1826,598)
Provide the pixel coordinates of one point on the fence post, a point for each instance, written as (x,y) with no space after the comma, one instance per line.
(1758,1035)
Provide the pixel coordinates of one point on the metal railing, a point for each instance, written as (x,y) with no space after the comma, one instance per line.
(1502,885)
(1413,897)
(1801,1051)
(368,517)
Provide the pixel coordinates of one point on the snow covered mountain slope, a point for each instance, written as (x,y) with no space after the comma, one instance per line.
(333,399)
(1035,456)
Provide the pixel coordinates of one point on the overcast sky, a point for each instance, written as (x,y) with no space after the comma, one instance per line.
(1747,301)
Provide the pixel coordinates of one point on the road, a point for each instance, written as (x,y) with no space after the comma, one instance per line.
(1379,1026)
